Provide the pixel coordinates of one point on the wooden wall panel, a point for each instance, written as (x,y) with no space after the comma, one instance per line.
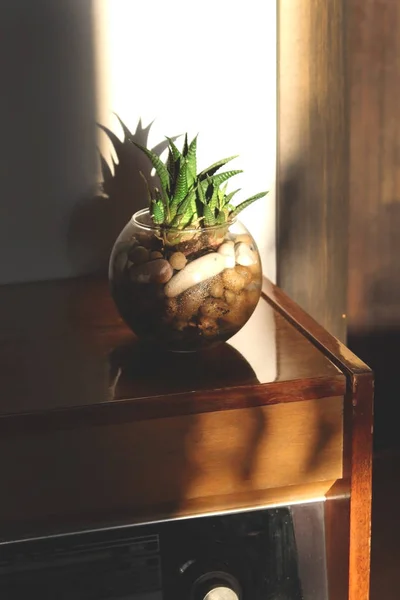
(313,158)
(374,243)
(373,37)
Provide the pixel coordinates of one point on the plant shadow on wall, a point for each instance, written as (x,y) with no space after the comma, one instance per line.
(98,219)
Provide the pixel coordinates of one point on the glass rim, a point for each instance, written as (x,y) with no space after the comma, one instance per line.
(154,227)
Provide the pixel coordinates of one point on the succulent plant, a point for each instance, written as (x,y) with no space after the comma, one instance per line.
(186,198)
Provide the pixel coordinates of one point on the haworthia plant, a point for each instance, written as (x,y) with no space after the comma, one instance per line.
(189,199)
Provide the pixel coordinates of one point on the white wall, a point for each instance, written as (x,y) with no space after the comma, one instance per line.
(209,68)
(206,68)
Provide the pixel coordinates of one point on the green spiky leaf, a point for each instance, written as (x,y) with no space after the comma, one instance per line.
(217,180)
(221,218)
(229,196)
(246,203)
(191,162)
(159,166)
(186,198)
(157,211)
(214,199)
(185,146)
(175,152)
(215,167)
(201,194)
(221,196)
(184,213)
(171,165)
(181,187)
(186,203)
(209,218)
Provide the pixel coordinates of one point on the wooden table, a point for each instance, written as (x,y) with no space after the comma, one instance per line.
(97,431)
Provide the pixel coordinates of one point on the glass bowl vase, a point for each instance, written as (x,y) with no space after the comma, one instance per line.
(185,289)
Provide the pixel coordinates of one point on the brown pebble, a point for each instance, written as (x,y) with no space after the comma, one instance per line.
(177,260)
(244,272)
(245,238)
(191,300)
(155,254)
(138,255)
(233,280)
(238,313)
(217,289)
(155,271)
(230,297)
(208,326)
(214,308)
(255,270)
(171,307)
(145,238)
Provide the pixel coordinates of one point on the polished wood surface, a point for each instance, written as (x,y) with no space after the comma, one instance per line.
(312,158)
(97,430)
(84,407)
(71,349)
(143,466)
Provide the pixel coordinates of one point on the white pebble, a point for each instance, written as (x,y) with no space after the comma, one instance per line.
(245,256)
(227,249)
(195,272)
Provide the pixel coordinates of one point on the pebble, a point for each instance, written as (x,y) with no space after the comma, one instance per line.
(155,271)
(217,289)
(208,326)
(230,297)
(245,255)
(178,261)
(243,237)
(233,280)
(138,255)
(155,254)
(171,307)
(195,272)
(145,238)
(227,249)
(244,272)
(214,308)
(191,300)
(238,313)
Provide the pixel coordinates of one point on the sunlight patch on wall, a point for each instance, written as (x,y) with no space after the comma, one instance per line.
(210,71)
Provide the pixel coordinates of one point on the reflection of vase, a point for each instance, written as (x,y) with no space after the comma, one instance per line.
(140,371)
(185,289)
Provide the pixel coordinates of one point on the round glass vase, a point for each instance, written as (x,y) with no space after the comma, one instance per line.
(184,289)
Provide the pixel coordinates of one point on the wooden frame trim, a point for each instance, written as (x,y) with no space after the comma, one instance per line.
(358,436)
